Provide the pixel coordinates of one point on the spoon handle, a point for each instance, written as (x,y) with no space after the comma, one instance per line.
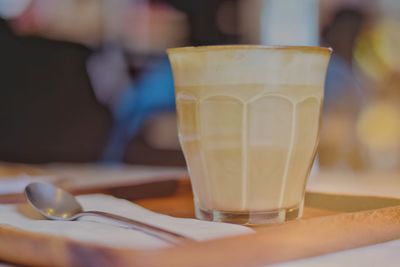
(168,236)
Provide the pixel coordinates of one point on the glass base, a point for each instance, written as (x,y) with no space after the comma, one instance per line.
(251,217)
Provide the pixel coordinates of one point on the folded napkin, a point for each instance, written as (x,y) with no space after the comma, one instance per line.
(102,231)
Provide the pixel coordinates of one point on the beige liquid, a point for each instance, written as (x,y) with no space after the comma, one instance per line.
(248,147)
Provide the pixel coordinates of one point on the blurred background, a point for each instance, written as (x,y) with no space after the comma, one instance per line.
(89,80)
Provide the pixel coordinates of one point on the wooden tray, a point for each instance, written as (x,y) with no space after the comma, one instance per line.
(329,224)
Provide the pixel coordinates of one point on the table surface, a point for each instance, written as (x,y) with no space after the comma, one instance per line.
(180,204)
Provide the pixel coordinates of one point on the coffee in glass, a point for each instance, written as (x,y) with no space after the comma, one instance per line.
(248,119)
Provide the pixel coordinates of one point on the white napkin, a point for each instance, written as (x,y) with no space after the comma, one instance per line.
(99,231)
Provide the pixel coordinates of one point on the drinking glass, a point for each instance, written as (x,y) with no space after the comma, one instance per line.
(248,122)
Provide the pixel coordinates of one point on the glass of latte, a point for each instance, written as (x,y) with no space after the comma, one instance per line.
(248,123)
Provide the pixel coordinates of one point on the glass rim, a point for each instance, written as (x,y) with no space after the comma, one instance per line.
(206,48)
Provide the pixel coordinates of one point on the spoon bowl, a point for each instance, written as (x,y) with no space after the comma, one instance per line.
(52,202)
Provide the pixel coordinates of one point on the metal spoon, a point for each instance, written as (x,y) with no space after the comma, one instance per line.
(57,204)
